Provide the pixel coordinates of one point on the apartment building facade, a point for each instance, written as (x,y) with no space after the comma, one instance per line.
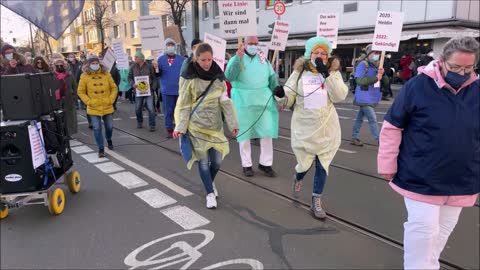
(427,23)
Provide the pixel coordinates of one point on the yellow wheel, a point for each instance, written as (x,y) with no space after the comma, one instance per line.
(73,182)
(3,212)
(56,201)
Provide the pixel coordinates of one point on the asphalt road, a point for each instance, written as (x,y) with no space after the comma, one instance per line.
(141,208)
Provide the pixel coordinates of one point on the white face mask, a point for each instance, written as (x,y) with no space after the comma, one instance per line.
(430,54)
(9,56)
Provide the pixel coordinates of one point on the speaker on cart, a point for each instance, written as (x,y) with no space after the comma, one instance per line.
(28,96)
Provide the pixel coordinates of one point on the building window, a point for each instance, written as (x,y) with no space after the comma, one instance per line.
(167,20)
(351,7)
(116,31)
(215,10)
(90,14)
(79,39)
(114,7)
(133,29)
(125,30)
(92,35)
(184,18)
(133,4)
(129,52)
(206,15)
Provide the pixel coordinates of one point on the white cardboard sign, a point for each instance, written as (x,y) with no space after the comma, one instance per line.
(238,18)
(117,48)
(315,95)
(279,36)
(109,59)
(388,30)
(122,62)
(151,31)
(327,26)
(143,86)
(36,145)
(263,46)
(219,46)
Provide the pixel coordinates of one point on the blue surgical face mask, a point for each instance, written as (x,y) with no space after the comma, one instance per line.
(9,56)
(456,80)
(170,49)
(313,62)
(375,57)
(94,67)
(252,49)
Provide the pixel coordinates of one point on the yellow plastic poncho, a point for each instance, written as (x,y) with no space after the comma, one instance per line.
(314,132)
(205,126)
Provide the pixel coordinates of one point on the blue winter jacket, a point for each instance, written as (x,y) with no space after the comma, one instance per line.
(169,75)
(365,92)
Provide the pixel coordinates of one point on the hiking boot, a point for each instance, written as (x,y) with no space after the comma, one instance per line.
(215,191)
(317,208)
(110,144)
(248,171)
(152,129)
(139,125)
(101,153)
(267,170)
(211,201)
(356,142)
(297,186)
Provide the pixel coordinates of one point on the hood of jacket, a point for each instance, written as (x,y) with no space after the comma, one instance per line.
(434,71)
(86,69)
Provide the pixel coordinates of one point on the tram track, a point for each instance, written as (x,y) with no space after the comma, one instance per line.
(333,217)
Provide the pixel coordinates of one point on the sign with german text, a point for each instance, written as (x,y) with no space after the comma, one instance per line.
(388,30)
(327,27)
(117,48)
(238,18)
(109,59)
(219,46)
(279,36)
(151,31)
(143,86)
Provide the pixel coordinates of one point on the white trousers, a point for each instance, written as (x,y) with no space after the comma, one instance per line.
(266,152)
(426,233)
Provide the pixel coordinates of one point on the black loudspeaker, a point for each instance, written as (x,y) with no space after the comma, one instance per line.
(57,143)
(28,96)
(16,166)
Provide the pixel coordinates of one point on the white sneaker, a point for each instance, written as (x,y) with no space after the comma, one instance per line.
(215,191)
(211,201)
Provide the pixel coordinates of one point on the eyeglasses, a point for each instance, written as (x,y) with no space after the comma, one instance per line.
(458,69)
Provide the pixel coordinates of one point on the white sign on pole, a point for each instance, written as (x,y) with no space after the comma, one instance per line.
(388,30)
(151,31)
(219,46)
(238,18)
(279,36)
(143,86)
(108,59)
(36,145)
(263,46)
(327,26)
(117,48)
(122,62)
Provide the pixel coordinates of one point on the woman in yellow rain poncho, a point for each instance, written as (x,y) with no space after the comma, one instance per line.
(316,133)
(205,125)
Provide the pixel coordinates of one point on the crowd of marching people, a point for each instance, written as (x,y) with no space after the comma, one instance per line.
(429,144)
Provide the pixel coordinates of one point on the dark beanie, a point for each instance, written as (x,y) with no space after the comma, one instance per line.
(7,47)
(196,41)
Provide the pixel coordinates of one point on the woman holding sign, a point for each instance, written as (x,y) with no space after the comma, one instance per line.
(198,113)
(430,149)
(316,133)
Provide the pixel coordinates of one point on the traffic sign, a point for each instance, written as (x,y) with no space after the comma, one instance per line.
(279,8)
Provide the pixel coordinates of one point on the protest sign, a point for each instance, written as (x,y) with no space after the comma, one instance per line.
(279,36)
(151,31)
(122,62)
(117,48)
(108,59)
(388,30)
(36,145)
(143,86)
(327,26)
(219,46)
(238,18)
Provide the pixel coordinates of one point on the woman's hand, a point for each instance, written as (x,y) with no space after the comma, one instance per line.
(235,132)
(176,134)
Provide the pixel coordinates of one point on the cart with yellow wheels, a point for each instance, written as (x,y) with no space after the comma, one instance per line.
(53,197)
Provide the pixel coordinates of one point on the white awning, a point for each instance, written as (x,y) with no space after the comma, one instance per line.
(448,32)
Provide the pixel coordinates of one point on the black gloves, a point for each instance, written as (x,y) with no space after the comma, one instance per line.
(279,92)
(321,68)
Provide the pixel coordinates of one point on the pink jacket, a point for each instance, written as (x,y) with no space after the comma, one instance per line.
(391,137)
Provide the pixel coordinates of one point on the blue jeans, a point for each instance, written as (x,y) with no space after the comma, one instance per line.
(369,112)
(139,110)
(318,180)
(169,103)
(97,128)
(209,167)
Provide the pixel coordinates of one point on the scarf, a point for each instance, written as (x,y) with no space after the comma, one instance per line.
(61,92)
(196,71)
